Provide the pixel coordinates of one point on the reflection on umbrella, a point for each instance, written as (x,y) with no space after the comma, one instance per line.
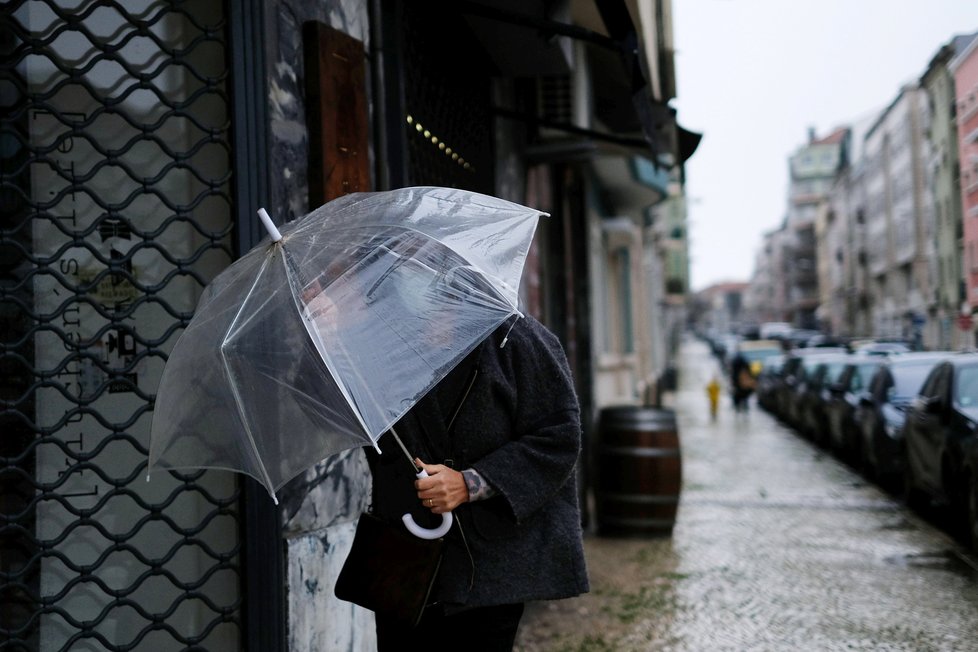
(321,340)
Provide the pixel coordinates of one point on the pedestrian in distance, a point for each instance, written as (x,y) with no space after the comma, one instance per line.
(741,382)
(500,438)
(713,393)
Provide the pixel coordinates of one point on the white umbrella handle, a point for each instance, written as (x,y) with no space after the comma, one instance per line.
(423,532)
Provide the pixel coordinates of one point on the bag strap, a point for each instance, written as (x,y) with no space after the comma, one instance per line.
(465,395)
(448,429)
(459,404)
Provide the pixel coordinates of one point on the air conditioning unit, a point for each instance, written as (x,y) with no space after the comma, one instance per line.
(564,100)
(555,98)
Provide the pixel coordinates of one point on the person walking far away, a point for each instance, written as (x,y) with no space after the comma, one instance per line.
(713,392)
(741,382)
(500,438)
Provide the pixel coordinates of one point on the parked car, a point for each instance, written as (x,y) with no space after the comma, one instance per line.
(755,351)
(882,412)
(970,484)
(768,381)
(940,426)
(844,396)
(821,372)
(800,337)
(792,377)
(882,348)
(773,329)
(723,345)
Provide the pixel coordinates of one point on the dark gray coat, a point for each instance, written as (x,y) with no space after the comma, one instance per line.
(520,428)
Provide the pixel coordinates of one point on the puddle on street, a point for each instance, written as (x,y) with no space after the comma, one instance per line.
(898,524)
(948,560)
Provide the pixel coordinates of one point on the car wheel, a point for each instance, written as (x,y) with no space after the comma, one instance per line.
(972,512)
(860,454)
(912,496)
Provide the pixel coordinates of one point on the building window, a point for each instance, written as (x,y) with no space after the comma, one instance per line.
(619,335)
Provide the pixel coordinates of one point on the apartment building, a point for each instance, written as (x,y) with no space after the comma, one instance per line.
(964,67)
(765,299)
(890,216)
(942,170)
(899,222)
(812,169)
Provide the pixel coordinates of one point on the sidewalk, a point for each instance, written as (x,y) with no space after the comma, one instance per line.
(777,547)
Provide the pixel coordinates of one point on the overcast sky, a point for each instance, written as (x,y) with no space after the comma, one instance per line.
(753,75)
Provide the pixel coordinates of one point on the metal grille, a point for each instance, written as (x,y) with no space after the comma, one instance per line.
(115,209)
(448,100)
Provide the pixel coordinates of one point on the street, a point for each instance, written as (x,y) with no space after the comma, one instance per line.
(777,546)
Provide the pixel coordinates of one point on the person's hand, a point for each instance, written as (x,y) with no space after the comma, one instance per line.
(443,490)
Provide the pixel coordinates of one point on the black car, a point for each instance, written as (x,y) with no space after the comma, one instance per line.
(796,373)
(843,402)
(882,412)
(970,483)
(767,382)
(821,372)
(940,427)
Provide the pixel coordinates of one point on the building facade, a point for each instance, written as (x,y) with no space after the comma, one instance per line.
(899,222)
(139,142)
(812,169)
(845,305)
(942,177)
(896,250)
(766,298)
(964,67)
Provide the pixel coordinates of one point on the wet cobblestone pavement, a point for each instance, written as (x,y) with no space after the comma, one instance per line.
(777,546)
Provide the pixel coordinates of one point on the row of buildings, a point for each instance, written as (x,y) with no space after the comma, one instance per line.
(138,141)
(880,236)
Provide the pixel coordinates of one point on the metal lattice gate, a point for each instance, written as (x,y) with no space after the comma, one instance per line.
(116,212)
(448,104)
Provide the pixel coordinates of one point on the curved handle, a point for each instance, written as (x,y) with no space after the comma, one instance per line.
(428,533)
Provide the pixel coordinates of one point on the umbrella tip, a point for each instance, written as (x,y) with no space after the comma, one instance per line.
(266,220)
(519,316)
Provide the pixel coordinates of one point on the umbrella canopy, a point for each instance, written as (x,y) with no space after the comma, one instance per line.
(320,341)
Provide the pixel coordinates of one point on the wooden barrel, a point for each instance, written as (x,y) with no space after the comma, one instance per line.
(638,471)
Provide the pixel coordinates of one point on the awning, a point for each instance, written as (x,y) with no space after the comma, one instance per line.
(520,36)
(631,184)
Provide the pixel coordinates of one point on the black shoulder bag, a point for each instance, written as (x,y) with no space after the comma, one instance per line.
(389,570)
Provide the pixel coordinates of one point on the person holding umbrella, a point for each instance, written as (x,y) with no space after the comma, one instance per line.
(384,313)
(500,438)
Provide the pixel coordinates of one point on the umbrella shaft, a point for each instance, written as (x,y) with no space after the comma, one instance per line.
(404,448)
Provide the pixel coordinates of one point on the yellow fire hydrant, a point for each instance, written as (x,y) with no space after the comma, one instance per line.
(713,391)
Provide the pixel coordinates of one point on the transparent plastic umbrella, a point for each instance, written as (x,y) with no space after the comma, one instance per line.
(319,340)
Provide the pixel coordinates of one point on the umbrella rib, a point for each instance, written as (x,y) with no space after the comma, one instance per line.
(238,401)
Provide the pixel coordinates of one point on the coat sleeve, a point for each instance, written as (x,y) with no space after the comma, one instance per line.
(545,442)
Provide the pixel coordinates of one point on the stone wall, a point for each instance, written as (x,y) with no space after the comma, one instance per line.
(319,508)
